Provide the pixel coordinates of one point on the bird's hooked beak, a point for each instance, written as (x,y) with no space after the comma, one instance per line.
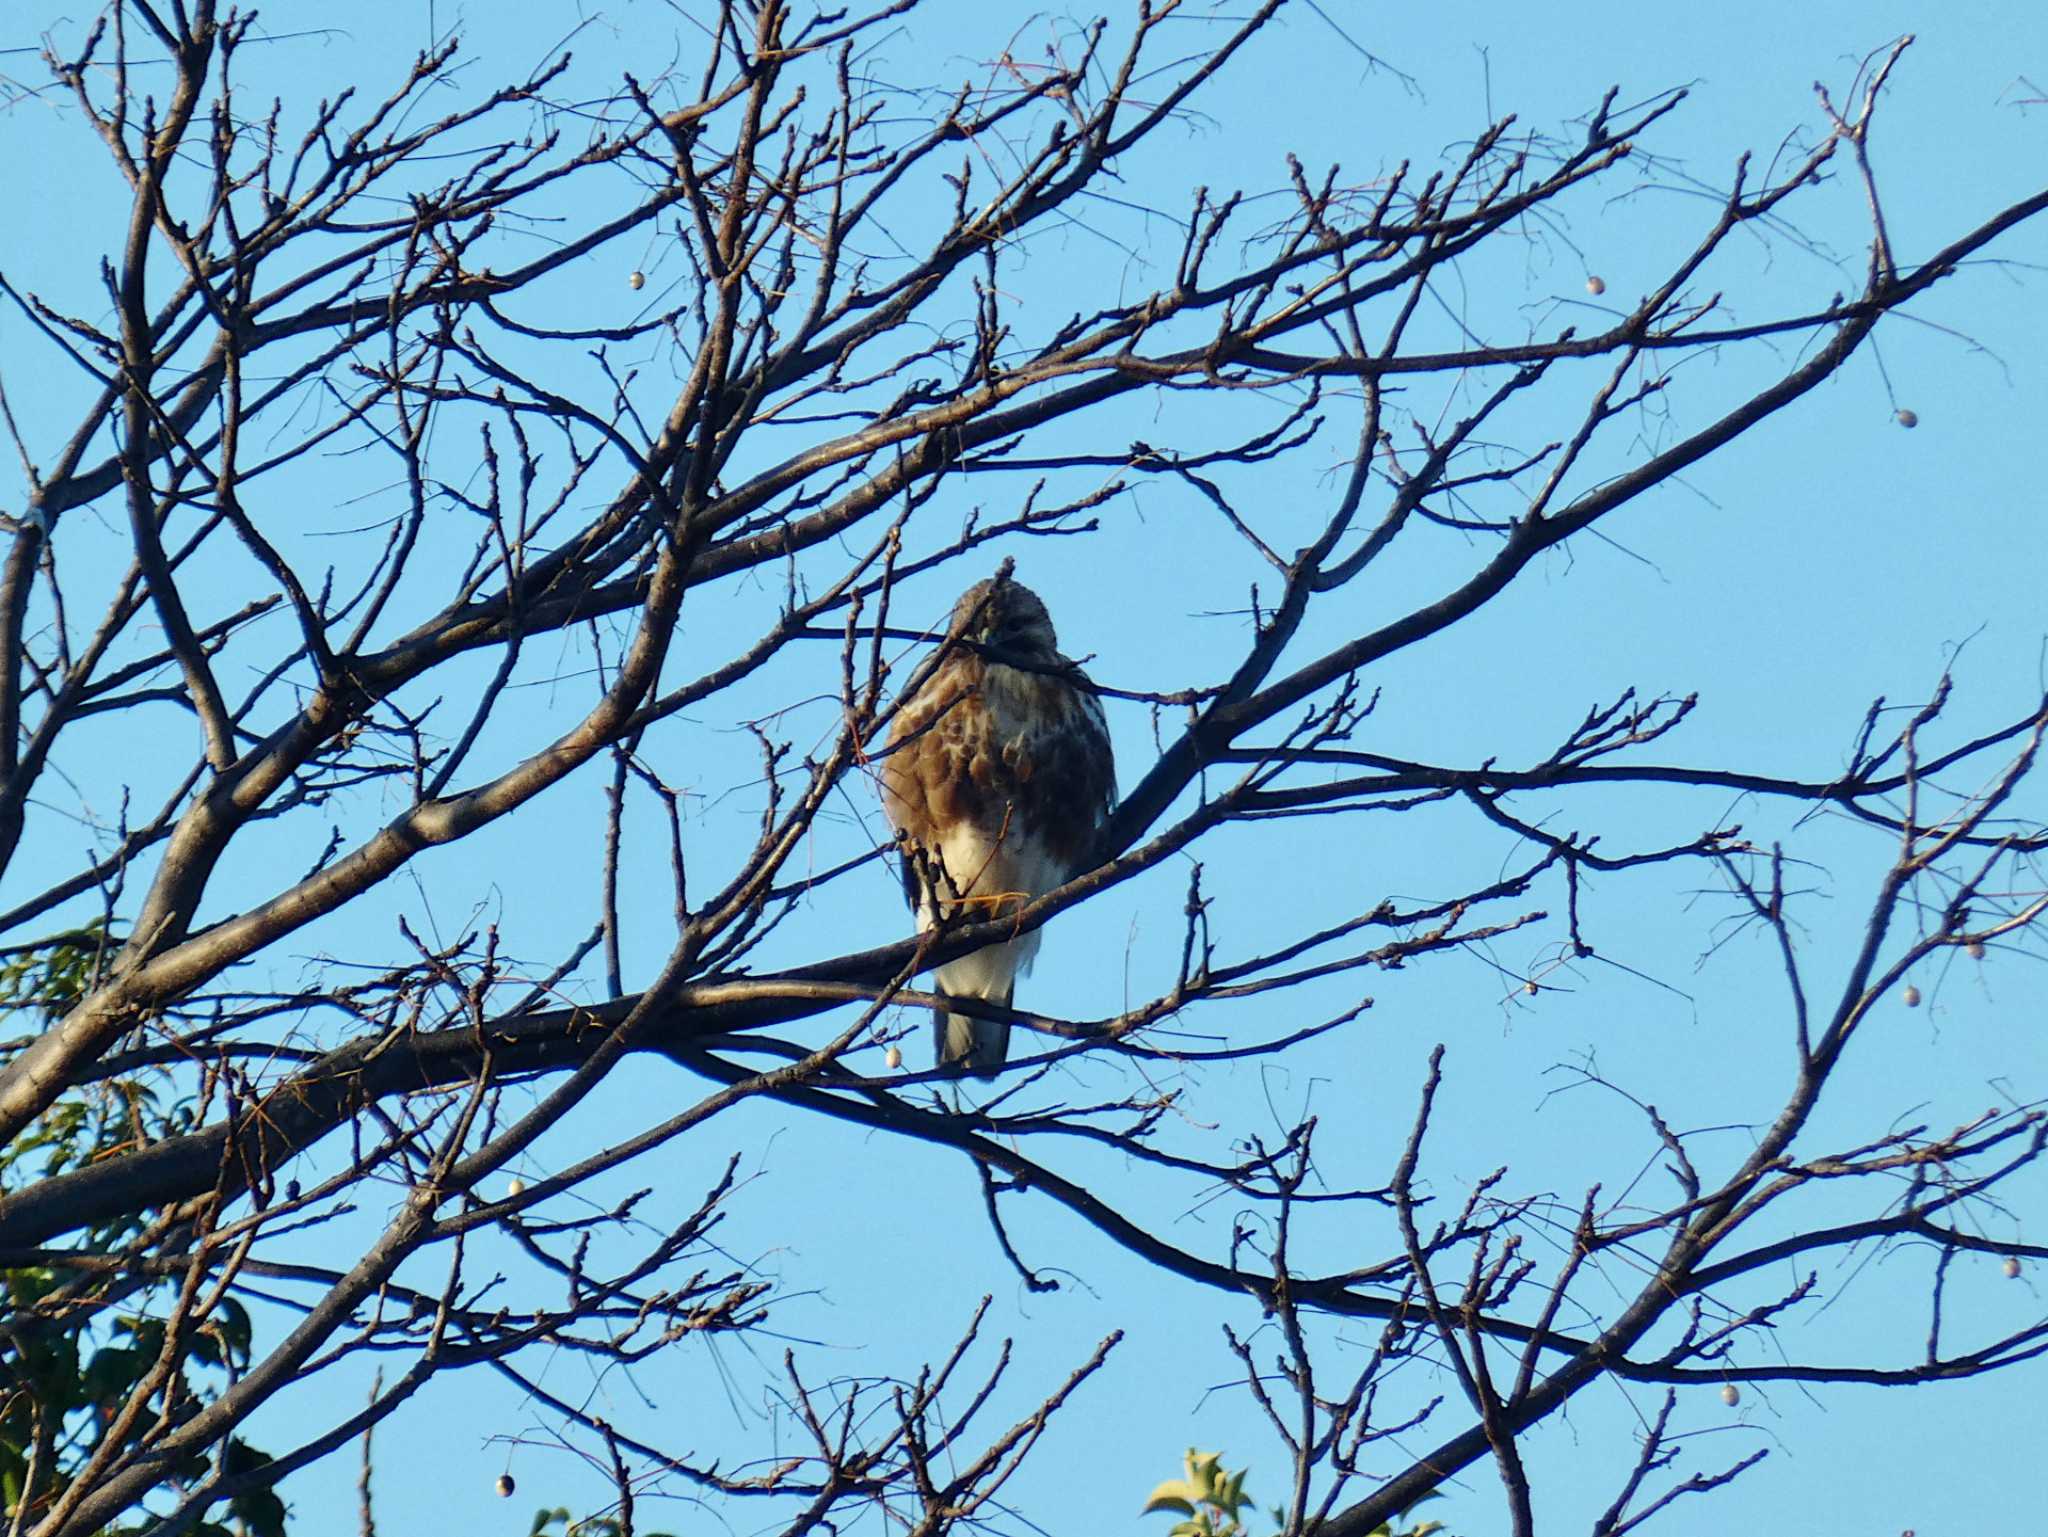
(996,617)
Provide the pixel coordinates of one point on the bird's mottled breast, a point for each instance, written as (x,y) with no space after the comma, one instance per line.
(1011,751)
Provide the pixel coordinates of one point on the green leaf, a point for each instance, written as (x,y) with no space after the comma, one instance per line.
(111,1373)
(1229,1492)
(259,1510)
(1172,1495)
(232,1320)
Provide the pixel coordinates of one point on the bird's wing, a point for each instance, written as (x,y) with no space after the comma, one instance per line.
(1063,783)
(932,783)
(1098,759)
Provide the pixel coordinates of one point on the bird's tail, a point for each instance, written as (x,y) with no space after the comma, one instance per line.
(976,1045)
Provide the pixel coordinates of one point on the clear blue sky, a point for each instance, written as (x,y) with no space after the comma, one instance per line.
(1829,558)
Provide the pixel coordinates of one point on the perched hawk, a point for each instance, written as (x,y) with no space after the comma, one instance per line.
(997,777)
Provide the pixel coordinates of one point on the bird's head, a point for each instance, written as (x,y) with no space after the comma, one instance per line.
(1005,615)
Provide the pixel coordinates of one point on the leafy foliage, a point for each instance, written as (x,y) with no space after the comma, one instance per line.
(85,1358)
(1211,1501)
